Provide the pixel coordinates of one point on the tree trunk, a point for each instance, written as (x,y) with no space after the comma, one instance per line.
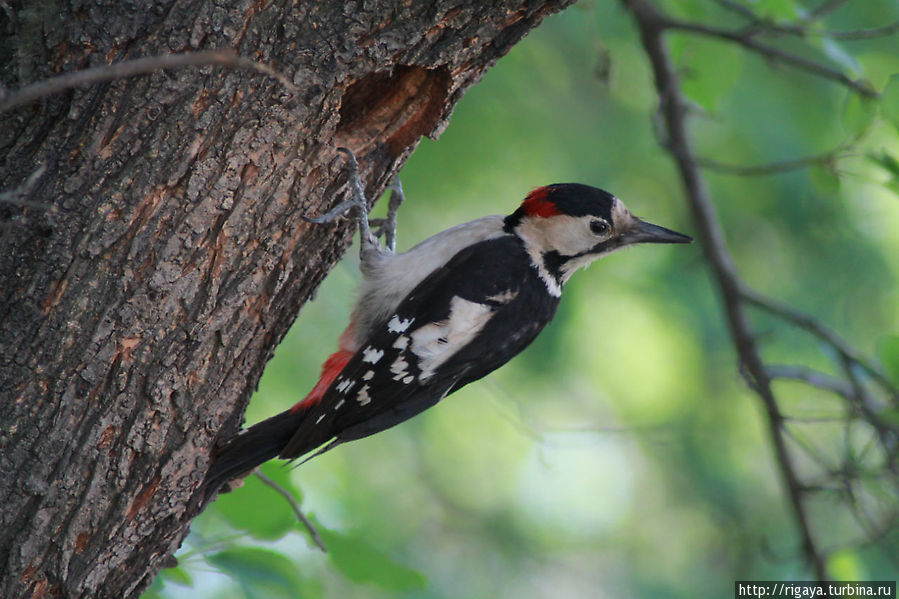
(168,256)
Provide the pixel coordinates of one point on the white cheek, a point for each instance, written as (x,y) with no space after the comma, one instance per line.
(571,235)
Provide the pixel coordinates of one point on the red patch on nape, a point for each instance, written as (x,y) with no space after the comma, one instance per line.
(330,369)
(537,203)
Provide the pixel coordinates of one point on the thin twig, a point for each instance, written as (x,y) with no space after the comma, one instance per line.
(819,330)
(770,52)
(129,68)
(771,168)
(296,509)
(887,434)
(652,25)
(812,377)
(809,449)
(862,34)
(759,25)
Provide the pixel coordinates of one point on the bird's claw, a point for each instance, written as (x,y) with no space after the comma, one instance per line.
(384,227)
(333,214)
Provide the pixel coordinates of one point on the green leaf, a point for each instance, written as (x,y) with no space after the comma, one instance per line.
(889,101)
(361,562)
(709,69)
(886,161)
(858,113)
(888,348)
(778,10)
(686,9)
(259,568)
(257,509)
(891,165)
(178,575)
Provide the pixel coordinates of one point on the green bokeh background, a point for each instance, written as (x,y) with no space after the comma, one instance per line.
(621,455)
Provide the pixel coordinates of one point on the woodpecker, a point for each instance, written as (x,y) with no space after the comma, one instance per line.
(444,314)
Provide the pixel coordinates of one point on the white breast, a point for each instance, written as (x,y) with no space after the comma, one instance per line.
(389,278)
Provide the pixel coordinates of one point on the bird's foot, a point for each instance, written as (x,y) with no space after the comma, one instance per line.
(357,201)
(385,227)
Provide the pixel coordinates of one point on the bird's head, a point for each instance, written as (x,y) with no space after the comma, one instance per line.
(567,226)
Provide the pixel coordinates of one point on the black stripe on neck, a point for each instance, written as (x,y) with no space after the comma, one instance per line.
(512,221)
(553,262)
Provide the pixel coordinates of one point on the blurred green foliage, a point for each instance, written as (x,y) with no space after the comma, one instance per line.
(621,455)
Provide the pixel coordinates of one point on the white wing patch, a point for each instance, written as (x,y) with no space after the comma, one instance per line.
(401,342)
(435,343)
(368,375)
(372,355)
(363,397)
(345,385)
(399,368)
(399,325)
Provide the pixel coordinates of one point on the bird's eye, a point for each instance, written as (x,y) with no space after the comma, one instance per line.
(599,227)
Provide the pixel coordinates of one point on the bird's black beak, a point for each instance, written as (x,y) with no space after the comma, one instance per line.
(644,232)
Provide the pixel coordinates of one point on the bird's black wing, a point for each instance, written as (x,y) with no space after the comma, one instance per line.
(463,321)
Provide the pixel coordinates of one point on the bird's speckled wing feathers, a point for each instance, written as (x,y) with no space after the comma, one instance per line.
(432,345)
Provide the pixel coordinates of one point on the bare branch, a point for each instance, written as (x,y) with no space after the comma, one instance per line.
(770,52)
(652,25)
(296,509)
(810,450)
(759,25)
(10,99)
(772,168)
(819,330)
(812,377)
(862,34)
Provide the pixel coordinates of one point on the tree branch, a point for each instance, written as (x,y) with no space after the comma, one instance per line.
(652,26)
(297,510)
(770,52)
(862,34)
(762,26)
(821,331)
(812,377)
(10,99)
(772,168)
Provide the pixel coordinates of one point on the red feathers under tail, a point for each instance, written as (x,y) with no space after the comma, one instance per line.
(330,369)
(266,440)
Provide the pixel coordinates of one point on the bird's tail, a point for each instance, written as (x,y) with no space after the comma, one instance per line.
(269,438)
(254,446)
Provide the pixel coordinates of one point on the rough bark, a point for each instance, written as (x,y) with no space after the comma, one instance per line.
(141,301)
